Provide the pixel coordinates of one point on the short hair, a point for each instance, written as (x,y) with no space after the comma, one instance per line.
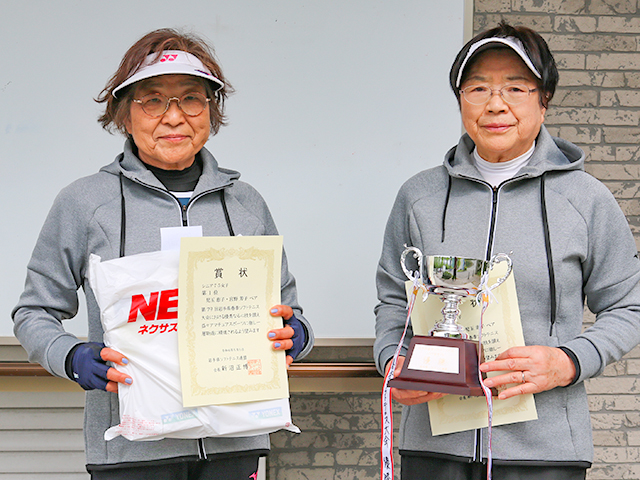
(535,47)
(117,110)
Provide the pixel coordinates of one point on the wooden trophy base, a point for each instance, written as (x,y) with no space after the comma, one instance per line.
(441,364)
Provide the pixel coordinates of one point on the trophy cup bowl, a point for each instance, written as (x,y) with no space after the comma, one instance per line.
(453,279)
(446,361)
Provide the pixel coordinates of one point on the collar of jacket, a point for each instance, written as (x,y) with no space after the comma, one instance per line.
(130,166)
(551,154)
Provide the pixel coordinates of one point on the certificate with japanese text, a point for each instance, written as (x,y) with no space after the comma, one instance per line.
(227,286)
(501,330)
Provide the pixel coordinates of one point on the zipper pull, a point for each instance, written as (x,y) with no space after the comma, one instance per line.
(184,216)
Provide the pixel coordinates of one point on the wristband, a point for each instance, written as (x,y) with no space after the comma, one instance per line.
(299,336)
(574,359)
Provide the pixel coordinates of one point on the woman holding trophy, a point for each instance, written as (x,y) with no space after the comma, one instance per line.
(509,186)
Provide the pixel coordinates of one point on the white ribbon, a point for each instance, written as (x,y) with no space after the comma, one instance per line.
(386,441)
(485,389)
(484,298)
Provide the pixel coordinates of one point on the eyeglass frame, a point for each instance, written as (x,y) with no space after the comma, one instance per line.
(530,90)
(169,100)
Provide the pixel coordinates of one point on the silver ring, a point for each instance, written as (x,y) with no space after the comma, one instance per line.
(523,380)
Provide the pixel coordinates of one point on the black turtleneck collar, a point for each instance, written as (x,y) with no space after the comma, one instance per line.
(179,180)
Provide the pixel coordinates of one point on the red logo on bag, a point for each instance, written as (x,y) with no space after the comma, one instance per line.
(169,57)
(165,309)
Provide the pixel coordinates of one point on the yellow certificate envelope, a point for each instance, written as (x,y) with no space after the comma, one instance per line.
(227,285)
(501,330)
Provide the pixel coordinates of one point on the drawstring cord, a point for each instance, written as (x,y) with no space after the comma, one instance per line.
(547,244)
(226,213)
(446,204)
(123,219)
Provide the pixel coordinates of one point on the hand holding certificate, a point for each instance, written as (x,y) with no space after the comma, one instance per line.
(227,285)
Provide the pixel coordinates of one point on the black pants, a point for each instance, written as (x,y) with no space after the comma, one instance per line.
(233,468)
(427,468)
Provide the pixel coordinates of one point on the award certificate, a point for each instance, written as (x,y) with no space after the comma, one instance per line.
(226,287)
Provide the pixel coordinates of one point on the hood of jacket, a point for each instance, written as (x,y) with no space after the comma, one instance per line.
(129,165)
(551,154)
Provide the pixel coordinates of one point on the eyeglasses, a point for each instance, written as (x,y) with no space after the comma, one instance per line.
(511,94)
(157,104)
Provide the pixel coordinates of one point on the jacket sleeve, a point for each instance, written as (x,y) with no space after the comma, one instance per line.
(611,276)
(391,311)
(251,200)
(54,275)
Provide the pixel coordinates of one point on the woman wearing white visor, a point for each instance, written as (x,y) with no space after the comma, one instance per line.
(509,186)
(167,97)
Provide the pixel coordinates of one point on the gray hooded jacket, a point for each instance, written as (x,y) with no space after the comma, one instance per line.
(85,219)
(451,210)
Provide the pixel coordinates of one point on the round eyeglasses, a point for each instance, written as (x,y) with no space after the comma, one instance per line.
(511,94)
(157,104)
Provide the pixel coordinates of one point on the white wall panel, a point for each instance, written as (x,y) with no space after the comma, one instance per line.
(337,104)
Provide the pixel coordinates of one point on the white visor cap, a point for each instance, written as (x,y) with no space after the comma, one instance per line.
(512,42)
(171,62)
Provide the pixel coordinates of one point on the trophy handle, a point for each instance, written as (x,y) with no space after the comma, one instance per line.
(417,254)
(500,257)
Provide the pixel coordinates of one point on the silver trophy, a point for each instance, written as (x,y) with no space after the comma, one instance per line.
(453,279)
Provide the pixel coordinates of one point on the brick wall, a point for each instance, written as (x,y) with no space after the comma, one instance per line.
(340,439)
(597,106)
(596,44)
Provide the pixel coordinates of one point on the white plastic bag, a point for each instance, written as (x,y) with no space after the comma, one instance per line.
(138,302)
